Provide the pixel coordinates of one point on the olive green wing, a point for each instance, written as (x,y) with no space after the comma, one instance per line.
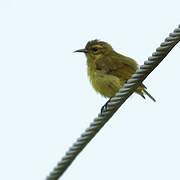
(122,67)
(118,65)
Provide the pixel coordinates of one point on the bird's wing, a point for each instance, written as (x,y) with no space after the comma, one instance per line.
(120,66)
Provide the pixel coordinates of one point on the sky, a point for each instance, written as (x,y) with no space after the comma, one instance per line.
(46,100)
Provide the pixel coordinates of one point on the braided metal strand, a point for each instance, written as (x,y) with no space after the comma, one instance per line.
(115,103)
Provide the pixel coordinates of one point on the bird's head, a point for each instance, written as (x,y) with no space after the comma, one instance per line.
(96,49)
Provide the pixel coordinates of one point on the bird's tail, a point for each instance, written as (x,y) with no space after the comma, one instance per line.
(150,96)
(142,91)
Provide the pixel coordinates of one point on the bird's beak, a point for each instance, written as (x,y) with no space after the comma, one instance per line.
(82,50)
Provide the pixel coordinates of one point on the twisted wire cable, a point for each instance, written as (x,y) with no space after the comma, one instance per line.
(115,102)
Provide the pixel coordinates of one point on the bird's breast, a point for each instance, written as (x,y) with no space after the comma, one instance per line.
(105,84)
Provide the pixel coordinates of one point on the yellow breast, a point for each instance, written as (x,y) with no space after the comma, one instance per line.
(105,84)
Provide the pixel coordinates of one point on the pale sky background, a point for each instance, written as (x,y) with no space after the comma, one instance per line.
(46,100)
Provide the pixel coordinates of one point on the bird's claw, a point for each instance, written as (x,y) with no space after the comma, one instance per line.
(104,107)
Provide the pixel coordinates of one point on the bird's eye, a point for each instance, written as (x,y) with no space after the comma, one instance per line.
(94,49)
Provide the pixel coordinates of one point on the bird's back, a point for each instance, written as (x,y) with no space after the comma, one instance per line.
(117,65)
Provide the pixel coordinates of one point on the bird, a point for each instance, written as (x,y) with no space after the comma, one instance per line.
(109,70)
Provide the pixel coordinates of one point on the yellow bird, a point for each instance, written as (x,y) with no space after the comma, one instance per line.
(109,70)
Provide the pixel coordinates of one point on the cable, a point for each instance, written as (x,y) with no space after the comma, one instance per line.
(115,102)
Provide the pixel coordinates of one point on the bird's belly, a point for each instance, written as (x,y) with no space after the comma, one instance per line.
(107,85)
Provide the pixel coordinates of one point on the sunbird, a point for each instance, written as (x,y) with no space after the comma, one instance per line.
(109,70)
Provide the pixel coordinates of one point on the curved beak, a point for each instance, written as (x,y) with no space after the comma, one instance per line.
(81,50)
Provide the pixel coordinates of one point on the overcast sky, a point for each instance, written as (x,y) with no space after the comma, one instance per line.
(46,100)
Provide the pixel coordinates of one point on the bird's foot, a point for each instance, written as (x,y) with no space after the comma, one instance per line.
(104,107)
